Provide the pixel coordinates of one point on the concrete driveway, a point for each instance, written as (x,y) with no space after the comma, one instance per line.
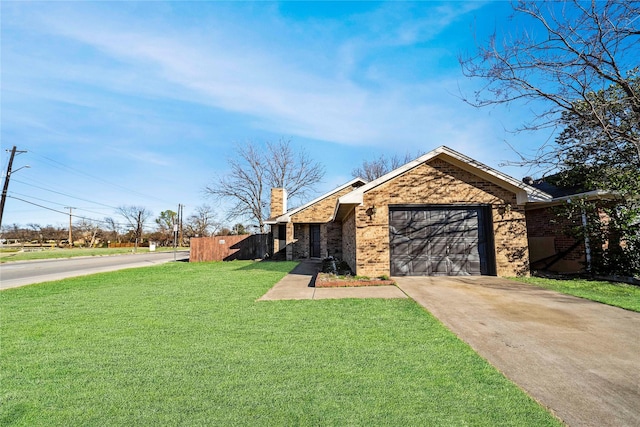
(579,358)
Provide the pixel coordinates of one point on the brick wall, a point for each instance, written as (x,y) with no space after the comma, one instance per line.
(300,247)
(349,241)
(438,182)
(333,232)
(278,201)
(318,213)
(290,238)
(547,237)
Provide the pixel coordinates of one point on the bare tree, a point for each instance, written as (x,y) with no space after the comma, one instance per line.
(202,223)
(294,171)
(370,170)
(88,230)
(575,50)
(15,231)
(113,227)
(225,231)
(35,232)
(49,232)
(135,216)
(256,170)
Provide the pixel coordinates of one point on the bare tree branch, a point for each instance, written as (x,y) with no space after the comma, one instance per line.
(294,171)
(202,223)
(373,169)
(574,50)
(254,172)
(135,216)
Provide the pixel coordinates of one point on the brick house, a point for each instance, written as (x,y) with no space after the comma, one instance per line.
(307,231)
(551,247)
(441,214)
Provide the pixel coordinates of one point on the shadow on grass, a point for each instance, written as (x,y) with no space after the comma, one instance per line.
(275,266)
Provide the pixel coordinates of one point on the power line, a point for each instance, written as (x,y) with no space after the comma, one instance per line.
(56,203)
(36,198)
(61,165)
(65,213)
(40,206)
(66,195)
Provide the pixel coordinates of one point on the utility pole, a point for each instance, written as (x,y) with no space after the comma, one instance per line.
(14,150)
(70,236)
(175,234)
(180,207)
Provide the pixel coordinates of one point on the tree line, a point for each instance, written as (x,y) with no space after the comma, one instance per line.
(136,226)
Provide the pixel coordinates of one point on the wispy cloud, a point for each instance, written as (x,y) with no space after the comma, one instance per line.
(151,88)
(280,96)
(406,23)
(144,156)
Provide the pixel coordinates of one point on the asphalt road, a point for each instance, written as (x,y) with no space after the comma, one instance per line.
(21,273)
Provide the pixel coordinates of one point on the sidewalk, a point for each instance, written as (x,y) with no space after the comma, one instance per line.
(295,286)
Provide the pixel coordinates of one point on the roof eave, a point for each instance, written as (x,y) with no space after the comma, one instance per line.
(324,196)
(282,219)
(342,210)
(587,195)
(345,204)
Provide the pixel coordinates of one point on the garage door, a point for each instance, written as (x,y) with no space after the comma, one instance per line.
(440,241)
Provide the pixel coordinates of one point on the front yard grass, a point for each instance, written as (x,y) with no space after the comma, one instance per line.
(616,294)
(188,344)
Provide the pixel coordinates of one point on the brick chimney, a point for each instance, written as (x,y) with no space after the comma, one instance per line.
(278,202)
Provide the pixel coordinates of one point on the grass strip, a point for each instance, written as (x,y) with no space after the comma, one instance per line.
(182,343)
(616,294)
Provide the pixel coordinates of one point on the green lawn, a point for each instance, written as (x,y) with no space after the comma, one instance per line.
(51,253)
(616,294)
(188,344)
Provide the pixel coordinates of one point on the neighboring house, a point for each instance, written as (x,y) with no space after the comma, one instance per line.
(551,247)
(441,214)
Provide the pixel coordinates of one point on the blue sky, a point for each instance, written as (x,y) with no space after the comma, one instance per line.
(123,103)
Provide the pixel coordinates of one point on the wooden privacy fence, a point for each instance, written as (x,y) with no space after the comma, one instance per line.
(128,245)
(228,248)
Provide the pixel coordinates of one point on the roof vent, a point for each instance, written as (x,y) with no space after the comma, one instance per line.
(528,180)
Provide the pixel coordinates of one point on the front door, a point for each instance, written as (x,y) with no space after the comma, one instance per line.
(314,240)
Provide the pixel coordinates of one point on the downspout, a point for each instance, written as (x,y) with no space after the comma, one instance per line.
(587,247)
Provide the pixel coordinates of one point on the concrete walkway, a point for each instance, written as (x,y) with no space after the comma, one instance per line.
(295,285)
(579,358)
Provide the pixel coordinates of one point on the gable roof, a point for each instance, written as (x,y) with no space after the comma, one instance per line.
(286,217)
(525,193)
